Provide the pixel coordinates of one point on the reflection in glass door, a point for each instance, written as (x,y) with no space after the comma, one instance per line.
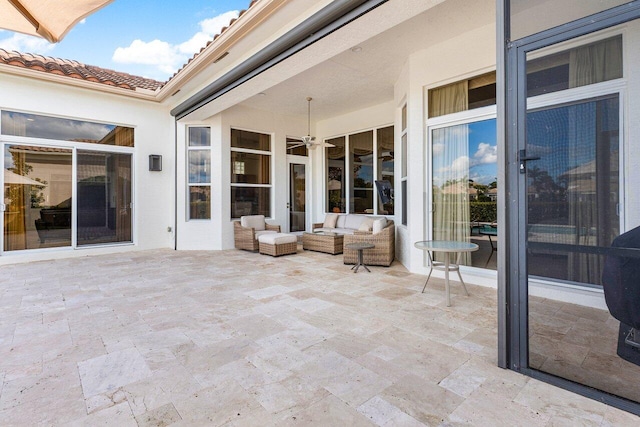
(37,197)
(465,189)
(104,197)
(297,197)
(572,199)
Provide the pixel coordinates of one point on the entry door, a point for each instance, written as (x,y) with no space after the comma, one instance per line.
(298,194)
(571,331)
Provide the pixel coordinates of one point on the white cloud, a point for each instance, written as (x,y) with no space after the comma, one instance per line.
(25,43)
(458,168)
(166,57)
(486,154)
(158,53)
(437,149)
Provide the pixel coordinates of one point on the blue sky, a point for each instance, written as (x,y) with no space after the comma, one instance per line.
(480,163)
(141,37)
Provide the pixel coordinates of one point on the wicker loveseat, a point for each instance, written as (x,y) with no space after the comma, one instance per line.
(247,230)
(351,226)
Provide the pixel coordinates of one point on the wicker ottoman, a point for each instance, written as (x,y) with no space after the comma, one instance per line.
(276,244)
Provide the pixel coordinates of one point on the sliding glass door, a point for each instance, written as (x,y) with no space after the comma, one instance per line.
(37,197)
(104,197)
(67,183)
(38,194)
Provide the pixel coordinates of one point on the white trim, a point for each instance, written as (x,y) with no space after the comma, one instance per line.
(348,168)
(576,94)
(191,148)
(270,153)
(299,160)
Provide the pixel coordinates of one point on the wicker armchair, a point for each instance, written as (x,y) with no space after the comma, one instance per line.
(382,254)
(246,237)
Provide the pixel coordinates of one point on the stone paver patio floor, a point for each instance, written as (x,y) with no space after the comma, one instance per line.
(240,339)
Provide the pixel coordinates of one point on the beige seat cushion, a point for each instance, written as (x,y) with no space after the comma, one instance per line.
(253,221)
(366,225)
(263,232)
(277,238)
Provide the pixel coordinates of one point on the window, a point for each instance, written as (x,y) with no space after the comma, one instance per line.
(584,65)
(199,172)
(104,197)
(463,95)
(464,187)
(40,208)
(464,170)
(361,158)
(385,158)
(404,166)
(350,179)
(36,126)
(250,173)
(336,185)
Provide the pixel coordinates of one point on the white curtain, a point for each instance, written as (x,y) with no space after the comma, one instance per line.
(581,191)
(590,64)
(451,212)
(594,63)
(449,99)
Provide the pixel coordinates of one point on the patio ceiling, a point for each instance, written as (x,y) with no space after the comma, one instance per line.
(358,78)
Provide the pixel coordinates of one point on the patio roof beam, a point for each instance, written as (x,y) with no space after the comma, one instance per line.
(322,23)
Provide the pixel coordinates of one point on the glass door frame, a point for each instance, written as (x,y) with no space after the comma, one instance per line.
(513,276)
(466,117)
(298,160)
(74,147)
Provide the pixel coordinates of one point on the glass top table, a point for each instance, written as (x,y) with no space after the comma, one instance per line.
(447,247)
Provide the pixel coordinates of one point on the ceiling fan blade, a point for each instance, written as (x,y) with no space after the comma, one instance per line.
(295,146)
(296,138)
(328,145)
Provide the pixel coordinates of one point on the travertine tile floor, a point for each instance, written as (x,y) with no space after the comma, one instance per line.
(240,339)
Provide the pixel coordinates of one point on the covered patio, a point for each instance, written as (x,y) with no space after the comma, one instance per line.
(231,337)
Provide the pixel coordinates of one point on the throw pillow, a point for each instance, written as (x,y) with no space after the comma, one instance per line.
(330,220)
(366,225)
(379,225)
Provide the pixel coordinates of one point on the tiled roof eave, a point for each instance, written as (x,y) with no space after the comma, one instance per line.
(143,94)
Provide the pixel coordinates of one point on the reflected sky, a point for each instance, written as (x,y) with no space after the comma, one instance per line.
(481,163)
(36,126)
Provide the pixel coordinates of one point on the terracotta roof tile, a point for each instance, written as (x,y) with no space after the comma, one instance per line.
(77,70)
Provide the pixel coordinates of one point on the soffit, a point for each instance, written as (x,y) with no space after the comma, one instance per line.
(340,80)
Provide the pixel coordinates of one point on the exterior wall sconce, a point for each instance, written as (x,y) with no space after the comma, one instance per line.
(155,162)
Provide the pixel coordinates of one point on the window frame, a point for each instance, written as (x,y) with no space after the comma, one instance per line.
(269,153)
(460,118)
(404,164)
(203,148)
(74,147)
(348,168)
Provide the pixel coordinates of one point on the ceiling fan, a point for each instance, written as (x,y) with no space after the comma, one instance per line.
(308,140)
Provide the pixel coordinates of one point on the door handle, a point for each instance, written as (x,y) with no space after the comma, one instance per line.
(523,158)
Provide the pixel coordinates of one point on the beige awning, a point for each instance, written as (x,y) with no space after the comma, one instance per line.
(49,19)
(14,178)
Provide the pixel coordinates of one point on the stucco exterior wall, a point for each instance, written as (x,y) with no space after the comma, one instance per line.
(217,233)
(154,134)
